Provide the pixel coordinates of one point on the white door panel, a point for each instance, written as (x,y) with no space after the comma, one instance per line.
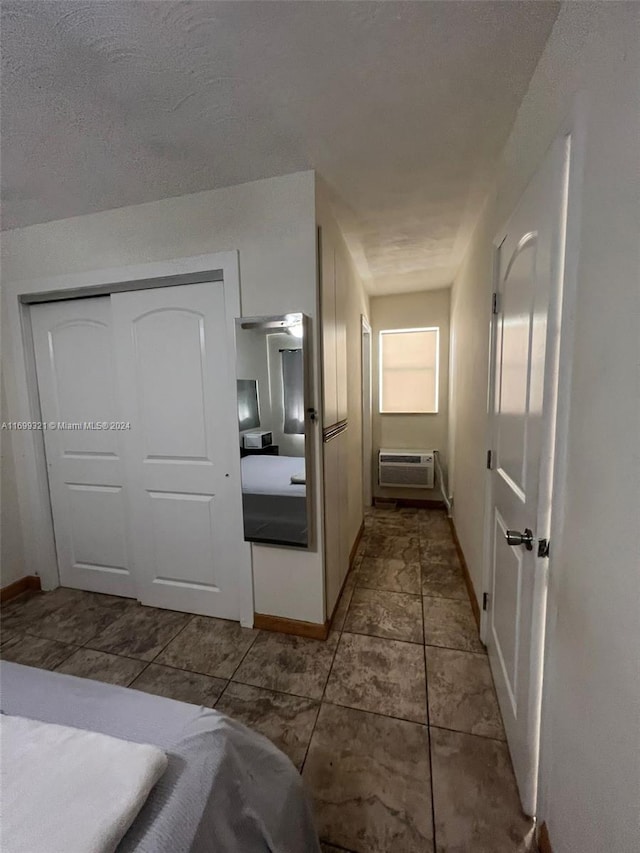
(367,439)
(528,267)
(173,357)
(76,380)
(507,585)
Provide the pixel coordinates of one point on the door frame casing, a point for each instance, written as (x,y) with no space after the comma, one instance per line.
(367,411)
(33,488)
(572,135)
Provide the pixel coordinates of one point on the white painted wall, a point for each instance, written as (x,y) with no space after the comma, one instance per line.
(411,432)
(590,771)
(12,566)
(470,329)
(272,225)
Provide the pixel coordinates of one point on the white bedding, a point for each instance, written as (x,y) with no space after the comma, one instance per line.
(65,790)
(271,475)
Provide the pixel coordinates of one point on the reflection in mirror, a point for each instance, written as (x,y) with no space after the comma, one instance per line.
(273,397)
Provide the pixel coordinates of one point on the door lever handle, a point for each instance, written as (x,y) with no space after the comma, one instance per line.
(515,537)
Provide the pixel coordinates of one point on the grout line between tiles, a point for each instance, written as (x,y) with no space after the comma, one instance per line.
(137,675)
(170,640)
(249,647)
(426,682)
(384,589)
(324,689)
(380,637)
(175,637)
(375,713)
(144,669)
(274,690)
(223,691)
(70,655)
(469,734)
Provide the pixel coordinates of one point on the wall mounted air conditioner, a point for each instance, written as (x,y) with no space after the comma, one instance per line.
(409,469)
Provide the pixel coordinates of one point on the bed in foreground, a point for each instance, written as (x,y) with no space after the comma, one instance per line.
(226,789)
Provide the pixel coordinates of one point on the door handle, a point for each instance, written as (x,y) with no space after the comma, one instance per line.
(515,537)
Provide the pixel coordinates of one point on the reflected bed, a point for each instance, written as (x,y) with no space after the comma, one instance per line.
(275,509)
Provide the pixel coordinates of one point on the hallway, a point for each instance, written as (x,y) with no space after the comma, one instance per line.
(393,720)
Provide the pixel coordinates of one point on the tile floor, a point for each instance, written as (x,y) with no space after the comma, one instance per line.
(393,720)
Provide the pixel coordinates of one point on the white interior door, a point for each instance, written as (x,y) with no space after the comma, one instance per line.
(76,381)
(529,266)
(174,348)
(367,438)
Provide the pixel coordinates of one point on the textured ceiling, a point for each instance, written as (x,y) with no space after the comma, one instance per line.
(401,107)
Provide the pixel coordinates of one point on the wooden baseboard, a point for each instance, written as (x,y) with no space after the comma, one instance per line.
(352,557)
(467,576)
(544,842)
(354,547)
(314,630)
(16,588)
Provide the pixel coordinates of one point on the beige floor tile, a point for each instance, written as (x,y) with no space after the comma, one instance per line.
(389,573)
(396,526)
(64,615)
(192,687)
(444,580)
(81,617)
(475,797)
(405,548)
(450,623)
(286,720)
(461,693)
(439,551)
(393,615)
(383,676)
(141,632)
(288,664)
(210,646)
(35,651)
(99,666)
(369,777)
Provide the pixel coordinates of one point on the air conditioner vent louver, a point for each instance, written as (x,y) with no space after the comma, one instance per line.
(398,458)
(407,469)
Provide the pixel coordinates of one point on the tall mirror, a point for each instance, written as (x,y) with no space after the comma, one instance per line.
(274,417)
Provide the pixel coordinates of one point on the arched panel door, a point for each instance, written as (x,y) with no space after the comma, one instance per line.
(174,366)
(73,342)
(529,266)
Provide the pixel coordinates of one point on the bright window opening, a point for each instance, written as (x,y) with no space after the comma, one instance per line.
(409,362)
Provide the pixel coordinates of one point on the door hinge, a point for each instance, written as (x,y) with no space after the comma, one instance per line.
(495,303)
(489,459)
(543,547)
(485,600)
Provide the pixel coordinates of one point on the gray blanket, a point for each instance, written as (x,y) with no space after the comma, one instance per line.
(226,789)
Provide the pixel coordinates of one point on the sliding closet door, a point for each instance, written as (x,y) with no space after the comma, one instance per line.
(174,359)
(76,381)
